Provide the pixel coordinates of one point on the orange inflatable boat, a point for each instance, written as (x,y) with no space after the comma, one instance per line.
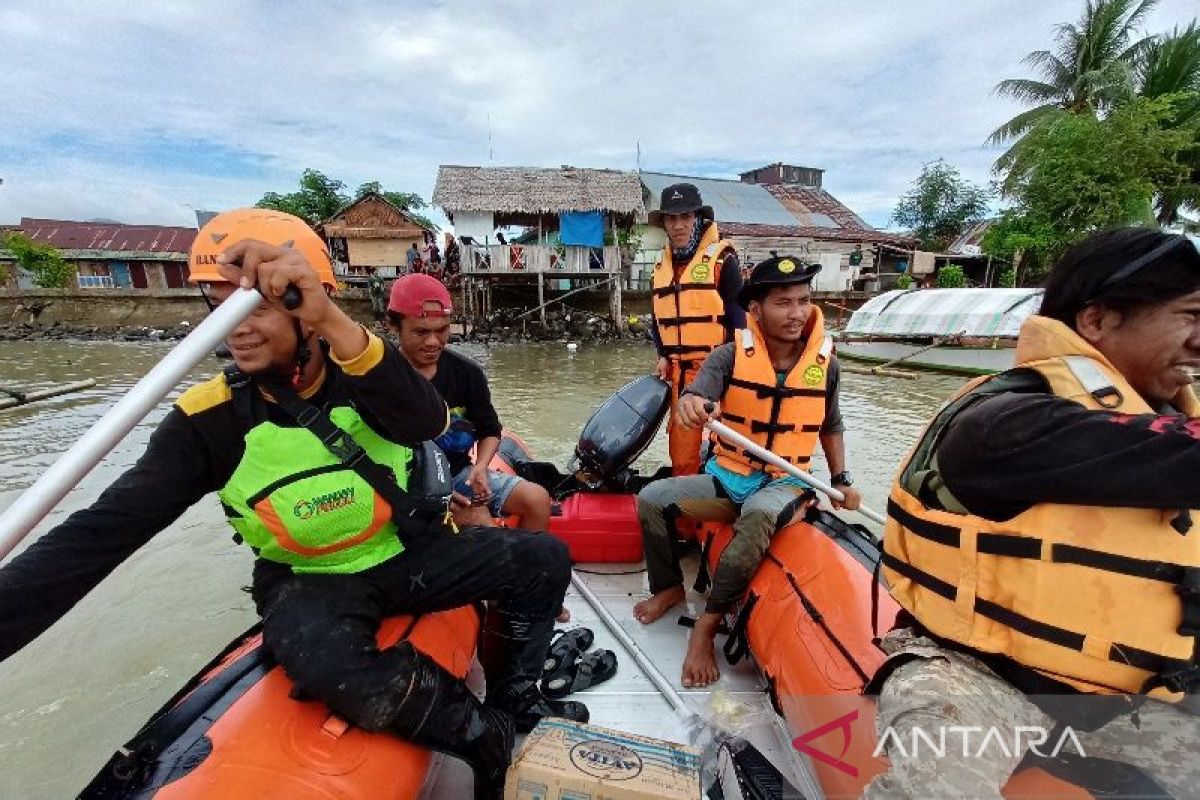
(237,733)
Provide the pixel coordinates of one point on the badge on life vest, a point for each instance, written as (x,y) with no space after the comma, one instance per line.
(701,272)
(814,375)
(787,266)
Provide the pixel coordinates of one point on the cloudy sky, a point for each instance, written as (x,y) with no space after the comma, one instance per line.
(141,111)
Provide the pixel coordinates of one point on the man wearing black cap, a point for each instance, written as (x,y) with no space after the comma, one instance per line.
(776,384)
(696,282)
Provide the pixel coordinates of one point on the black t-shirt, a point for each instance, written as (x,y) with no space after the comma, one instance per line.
(464,386)
(192,452)
(1008,452)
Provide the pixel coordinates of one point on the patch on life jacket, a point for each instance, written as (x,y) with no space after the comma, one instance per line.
(814,374)
(701,272)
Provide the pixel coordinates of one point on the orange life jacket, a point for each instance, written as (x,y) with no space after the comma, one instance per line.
(688,309)
(785,419)
(1104,599)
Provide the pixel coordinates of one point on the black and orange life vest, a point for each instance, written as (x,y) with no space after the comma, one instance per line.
(688,308)
(1104,599)
(784,418)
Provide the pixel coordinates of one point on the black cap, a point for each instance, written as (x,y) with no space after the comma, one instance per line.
(679,198)
(776,271)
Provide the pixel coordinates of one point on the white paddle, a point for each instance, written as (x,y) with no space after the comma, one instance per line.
(733,437)
(35,502)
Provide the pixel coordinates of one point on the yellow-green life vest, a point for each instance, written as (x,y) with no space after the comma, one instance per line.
(295,503)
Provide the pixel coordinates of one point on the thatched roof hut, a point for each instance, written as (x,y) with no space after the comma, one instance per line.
(520,195)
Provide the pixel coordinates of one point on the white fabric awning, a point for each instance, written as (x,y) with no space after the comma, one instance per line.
(982,313)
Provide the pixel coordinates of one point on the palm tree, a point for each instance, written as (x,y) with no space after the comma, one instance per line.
(1170,65)
(1089,69)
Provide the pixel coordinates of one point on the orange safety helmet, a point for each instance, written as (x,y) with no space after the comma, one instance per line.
(265,225)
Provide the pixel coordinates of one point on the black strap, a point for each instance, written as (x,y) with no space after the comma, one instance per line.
(703,579)
(673,322)
(414,515)
(737,646)
(815,614)
(684,349)
(763,391)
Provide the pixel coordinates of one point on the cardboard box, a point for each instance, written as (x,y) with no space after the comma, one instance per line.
(563,760)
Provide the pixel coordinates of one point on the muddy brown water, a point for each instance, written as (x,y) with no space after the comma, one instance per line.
(82,689)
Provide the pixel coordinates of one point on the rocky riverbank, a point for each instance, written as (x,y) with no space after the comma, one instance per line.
(503,325)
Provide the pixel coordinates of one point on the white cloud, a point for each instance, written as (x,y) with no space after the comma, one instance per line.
(95,94)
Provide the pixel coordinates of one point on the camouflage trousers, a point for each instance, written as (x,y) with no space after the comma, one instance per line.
(945,690)
(697,497)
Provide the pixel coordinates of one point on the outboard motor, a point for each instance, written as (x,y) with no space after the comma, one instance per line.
(620,430)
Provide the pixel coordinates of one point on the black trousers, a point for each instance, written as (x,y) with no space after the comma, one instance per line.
(321,628)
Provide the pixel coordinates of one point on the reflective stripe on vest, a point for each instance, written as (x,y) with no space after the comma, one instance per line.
(689,311)
(785,419)
(319,515)
(1103,599)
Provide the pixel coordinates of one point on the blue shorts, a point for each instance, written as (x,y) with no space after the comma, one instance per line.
(500,484)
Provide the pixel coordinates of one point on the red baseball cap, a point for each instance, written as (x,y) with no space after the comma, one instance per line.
(420,295)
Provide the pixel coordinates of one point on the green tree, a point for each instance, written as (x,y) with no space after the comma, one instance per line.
(1076,174)
(940,205)
(1170,67)
(43,261)
(320,197)
(1089,70)
(951,276)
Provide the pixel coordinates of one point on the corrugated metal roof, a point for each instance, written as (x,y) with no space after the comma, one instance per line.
(984,313)
(69,235)
(831,234)
(732,201)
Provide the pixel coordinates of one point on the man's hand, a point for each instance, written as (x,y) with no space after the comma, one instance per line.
(662,370)
(691,412)
(852,501)
(467,515)
(477,479)
(270,269)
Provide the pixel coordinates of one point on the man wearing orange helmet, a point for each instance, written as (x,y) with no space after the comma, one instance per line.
(312,441)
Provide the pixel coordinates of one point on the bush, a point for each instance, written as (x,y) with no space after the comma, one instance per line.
(904,281)
(43,261)
(1007,279)
(951,276)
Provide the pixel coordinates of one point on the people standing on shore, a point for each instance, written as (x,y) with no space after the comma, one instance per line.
(776,384)
(377,290)
(1042,537)
(695,309)
(411,259)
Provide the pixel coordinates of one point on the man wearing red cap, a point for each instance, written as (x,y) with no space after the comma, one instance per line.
(419,313)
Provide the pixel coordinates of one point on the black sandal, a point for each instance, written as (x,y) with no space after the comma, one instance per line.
(566,647)
(589,670)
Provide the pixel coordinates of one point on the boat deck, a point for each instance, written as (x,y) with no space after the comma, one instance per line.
(631,702)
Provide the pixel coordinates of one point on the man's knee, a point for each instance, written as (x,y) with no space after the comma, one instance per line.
(548,556)
(365,689)
(655,497)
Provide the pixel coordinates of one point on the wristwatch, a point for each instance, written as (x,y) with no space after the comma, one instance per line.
(843,478)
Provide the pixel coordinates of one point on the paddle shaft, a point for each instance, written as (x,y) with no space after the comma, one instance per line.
(732,436)
(38,500)
(615,628)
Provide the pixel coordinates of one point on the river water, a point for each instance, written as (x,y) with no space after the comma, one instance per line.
(76,694)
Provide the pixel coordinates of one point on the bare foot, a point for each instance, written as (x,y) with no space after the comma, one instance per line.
(700,663)
(564,615)
(656,605)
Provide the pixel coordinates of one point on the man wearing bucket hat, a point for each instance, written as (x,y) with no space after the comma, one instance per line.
(695,309)
(777,384)
(312,440)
